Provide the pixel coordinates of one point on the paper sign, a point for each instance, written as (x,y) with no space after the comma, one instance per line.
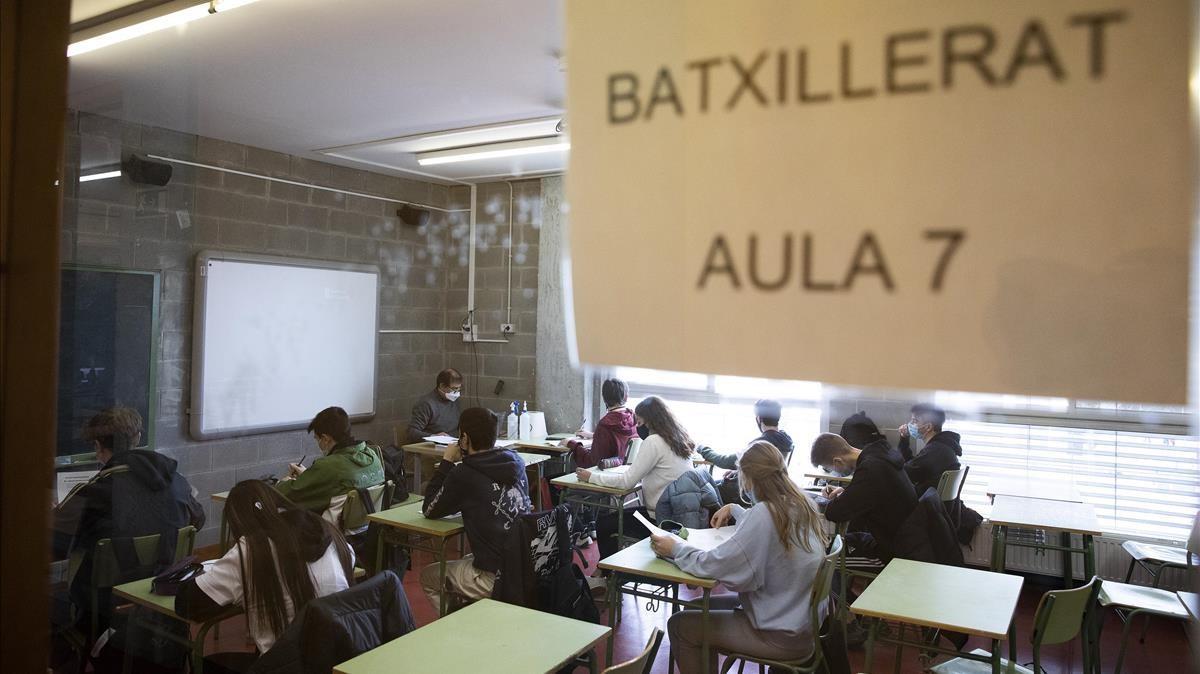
(70,479)
(956,194)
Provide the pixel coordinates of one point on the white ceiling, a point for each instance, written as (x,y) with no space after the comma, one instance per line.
(296,76)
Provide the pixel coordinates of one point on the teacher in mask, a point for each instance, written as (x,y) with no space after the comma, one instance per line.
(436,412)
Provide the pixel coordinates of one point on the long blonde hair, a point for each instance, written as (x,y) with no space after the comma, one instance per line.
(763,471)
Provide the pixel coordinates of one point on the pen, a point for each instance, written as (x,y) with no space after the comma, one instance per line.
(301,462)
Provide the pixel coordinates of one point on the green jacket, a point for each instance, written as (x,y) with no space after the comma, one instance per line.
(342,470)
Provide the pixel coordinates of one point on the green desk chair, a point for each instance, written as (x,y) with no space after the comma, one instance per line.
(350,513)
(644,662)
(821,588)
(1061,616)
(950,485)
(1156,558)
(1129,601)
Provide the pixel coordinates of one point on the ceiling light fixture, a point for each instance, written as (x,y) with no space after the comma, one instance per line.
(514,148)
(153,25)
(99,176)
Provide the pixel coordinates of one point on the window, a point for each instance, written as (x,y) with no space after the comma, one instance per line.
(1141,484)
(718,410)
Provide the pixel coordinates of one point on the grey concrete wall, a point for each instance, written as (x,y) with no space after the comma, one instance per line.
(560,385)
(119,224)
(514,362)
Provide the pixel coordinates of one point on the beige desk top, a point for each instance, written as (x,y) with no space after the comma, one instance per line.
(551,446)
(138,592)
(981,603)
(639,559)
(432,449)
(1036,513)
(822,475)
(1047,489)
(570,481)
(409,518)
(487,636)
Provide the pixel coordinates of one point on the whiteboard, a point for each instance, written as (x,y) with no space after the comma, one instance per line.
(276,340)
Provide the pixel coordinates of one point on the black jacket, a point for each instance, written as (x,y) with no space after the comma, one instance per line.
(927,535)
(940,455)
(340,626)
(491,491)
(879,497)
(139,493)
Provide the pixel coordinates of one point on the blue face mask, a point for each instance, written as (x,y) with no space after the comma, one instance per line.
(913,432)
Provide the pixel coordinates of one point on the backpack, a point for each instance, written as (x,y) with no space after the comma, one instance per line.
(393,469)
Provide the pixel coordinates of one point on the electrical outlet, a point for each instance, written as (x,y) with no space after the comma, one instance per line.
(507,329)
(470,332)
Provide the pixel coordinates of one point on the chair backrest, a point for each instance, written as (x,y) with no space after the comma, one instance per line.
(185,542)
(950,485)
(644,661)
(350,513)
(631,449)
(1060,613)
(1193,541)
(821,589)
(107,570)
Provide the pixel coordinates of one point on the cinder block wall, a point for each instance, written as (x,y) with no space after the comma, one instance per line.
(120,224)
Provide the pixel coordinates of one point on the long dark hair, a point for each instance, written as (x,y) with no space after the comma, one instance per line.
(658,418)
(258,517)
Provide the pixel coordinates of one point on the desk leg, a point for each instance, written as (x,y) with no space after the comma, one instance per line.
(379,543)
(999,542)
(705,639)
(1064,541)
(1089,558)
(618,503)
(871,643)
(899,648)
(442,576)
(614,596)
(541,500)
(1012,645)
(1124,640)
(997,667)
(593,664)
(418,464)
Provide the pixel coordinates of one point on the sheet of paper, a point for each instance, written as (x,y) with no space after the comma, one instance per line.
(637,514)
(707,539)
(441,439)
(68,479)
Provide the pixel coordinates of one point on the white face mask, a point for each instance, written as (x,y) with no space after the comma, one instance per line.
(453,395)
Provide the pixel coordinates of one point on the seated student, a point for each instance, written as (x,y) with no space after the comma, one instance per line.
(613,431)
(771,560)
(766,416)
(859,430)
(878,498)
(941,451)
(436,412)
(283,556)
(138,492)
(345,464)
(665,454)
(489,487)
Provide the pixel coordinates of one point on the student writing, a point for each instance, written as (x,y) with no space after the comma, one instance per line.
(345,464)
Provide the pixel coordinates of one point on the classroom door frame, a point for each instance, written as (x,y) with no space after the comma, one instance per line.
(33,101)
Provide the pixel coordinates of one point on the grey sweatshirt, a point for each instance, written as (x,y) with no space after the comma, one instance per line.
(775,586)
(432,414)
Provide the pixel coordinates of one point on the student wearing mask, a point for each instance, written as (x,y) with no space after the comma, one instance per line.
(436,412)
(491,491)
(137,492)
(941,451)
(771,561)
(665,454)
(613,432)
(345,464)
(283,557)
(878,498)
(766,416)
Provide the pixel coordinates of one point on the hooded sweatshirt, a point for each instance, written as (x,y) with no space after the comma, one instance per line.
(491,491)
(610,440)
(940,455)
(345,468)
(879,497)
(138,493)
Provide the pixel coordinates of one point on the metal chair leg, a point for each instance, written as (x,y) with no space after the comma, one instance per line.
(1129,573)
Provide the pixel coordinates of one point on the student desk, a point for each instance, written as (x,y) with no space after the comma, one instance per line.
(563,459)
(828,477)
(1034,513)
(1033,487)
(638,561)
(979,603)
(400,525)
(597,496)
(138,592)
(534,466)
(486,636)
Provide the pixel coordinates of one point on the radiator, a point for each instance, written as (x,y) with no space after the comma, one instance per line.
(1112,562)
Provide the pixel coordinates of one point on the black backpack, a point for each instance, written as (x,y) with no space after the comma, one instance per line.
(393,469)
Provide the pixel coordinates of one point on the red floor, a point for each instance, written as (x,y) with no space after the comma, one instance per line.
(1165,651)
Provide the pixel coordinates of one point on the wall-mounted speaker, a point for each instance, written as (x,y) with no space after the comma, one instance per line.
(146,171)
(413,217)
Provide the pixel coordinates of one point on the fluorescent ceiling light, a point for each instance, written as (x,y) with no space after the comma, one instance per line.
(514,148)
(177,18)
(99,176)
